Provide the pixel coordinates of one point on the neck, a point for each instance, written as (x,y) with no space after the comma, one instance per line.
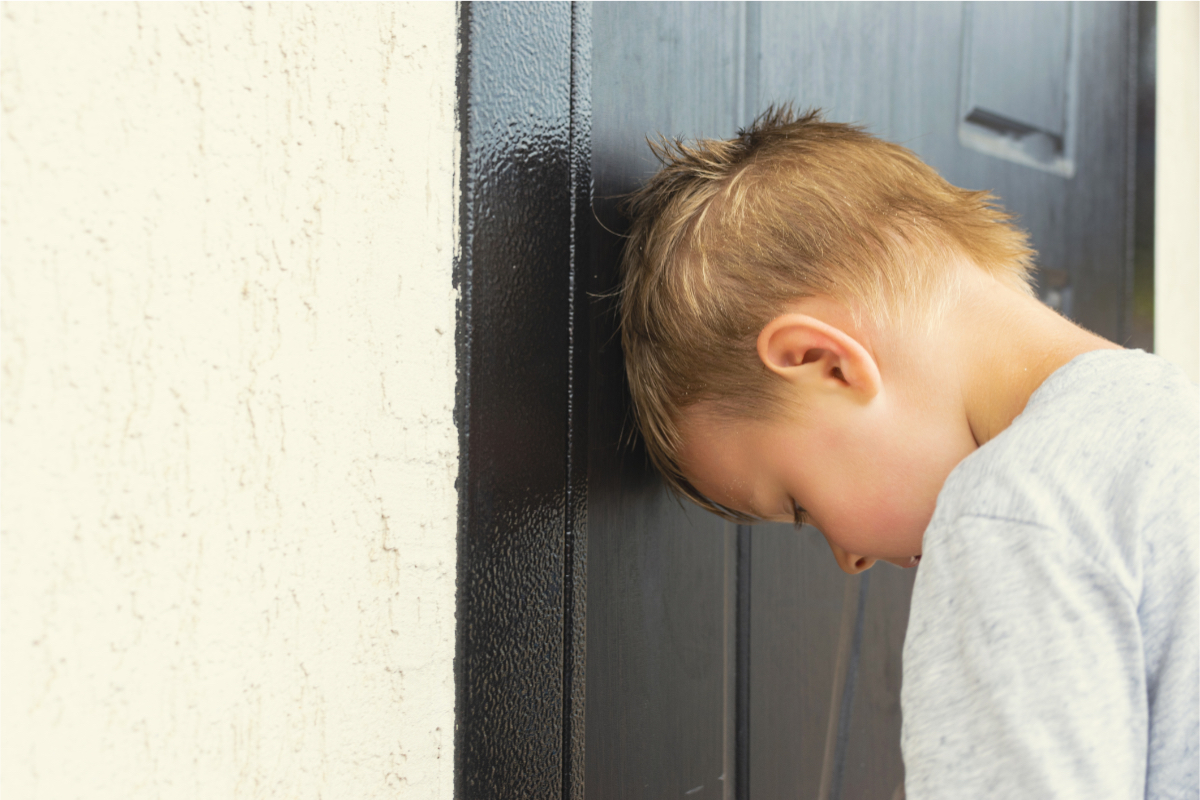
(1012,344)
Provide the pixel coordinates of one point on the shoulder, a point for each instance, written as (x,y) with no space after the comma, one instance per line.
(1061,564)
(1107,425)
(1105,457)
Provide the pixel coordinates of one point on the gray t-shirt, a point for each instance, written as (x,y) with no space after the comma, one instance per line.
(1052,647)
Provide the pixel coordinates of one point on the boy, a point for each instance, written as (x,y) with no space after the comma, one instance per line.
(818,328)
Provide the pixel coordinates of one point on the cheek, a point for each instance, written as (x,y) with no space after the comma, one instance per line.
(885,517)
(909,484)
(873,479)
(879,494)
(882,530)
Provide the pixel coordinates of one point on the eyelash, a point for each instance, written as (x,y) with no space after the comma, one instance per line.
(800,515)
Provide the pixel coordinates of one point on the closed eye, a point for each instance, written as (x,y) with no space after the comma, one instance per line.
(799,515)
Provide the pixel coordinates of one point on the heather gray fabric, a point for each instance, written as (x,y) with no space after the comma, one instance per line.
(1052,647)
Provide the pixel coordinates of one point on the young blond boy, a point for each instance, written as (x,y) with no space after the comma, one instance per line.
(818,328)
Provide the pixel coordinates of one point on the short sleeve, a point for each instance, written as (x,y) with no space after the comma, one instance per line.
(1023,670)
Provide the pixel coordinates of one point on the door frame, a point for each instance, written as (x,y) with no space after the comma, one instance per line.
(521,397)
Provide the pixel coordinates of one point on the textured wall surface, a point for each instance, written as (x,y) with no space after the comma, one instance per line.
(1177,188)
(228,379)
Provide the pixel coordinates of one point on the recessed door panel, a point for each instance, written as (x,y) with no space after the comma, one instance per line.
(661,577)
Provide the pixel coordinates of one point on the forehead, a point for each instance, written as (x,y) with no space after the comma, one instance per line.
(723,458)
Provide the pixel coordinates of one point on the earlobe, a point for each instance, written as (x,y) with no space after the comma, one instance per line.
(800,348)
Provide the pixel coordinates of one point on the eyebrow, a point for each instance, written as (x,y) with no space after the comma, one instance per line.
(752,507)
(755,513)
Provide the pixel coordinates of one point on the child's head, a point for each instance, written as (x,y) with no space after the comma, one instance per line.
(729,233)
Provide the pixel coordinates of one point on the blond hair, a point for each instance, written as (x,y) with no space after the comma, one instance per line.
(728,232)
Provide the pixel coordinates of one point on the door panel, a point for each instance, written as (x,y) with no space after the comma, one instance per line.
(660,632)
(871,764)
(897,68)
(799,599)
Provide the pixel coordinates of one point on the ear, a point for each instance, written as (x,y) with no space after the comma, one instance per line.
(804,350)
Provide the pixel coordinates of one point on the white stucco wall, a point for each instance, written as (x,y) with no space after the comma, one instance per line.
(1177,187)
(228,456)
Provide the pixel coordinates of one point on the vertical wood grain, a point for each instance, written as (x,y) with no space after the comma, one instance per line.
(660,575)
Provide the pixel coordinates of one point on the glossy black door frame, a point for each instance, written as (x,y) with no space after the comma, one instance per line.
(524,177)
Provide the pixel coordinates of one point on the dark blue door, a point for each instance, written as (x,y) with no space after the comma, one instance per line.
(739,663)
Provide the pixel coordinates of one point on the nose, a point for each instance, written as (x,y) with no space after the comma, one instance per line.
(850,563)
